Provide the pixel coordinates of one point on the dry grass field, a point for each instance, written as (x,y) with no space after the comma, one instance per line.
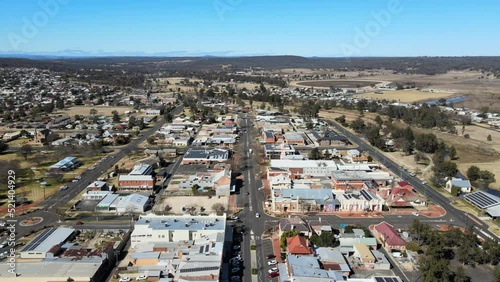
(476,86)
(406,96)
(349,115)
(337,83)
(101,110)
(481,90)
(475,150)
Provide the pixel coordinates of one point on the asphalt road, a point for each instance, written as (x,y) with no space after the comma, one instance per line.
(252,204)
(60,198)
(458,217)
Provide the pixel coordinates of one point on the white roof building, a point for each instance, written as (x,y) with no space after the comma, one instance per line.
(41,244)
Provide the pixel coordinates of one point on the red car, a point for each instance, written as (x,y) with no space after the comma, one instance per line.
(79,223)
(273,274)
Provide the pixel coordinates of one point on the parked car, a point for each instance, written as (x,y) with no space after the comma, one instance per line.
(141,277)
(257,215)
(415,213)
(62,188)
(271,256)
(236,269)
(236,247)
(272,262)
(273,274)
(274,269)
(78,223)
(125,279)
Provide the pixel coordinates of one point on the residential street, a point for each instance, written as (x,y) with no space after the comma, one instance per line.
(60,198)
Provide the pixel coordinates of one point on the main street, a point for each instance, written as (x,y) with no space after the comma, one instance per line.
(456,216)
(60,198)
(252,203)
(251,197)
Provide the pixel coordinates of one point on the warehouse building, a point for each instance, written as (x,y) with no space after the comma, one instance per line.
(40,246)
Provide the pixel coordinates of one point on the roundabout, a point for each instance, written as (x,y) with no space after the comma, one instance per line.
(31,221)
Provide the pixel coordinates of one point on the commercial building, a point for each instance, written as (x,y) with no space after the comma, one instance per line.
(204,156)
(389,237)
(344,180)
(135,183)
(295,139)
(57,270)
(68,163)
(133,203)
(40,246)
(141,169)
(303,200)
(153,228)
(360,201)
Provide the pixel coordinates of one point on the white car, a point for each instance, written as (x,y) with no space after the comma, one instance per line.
(274,269)
(415,213)
(272,262)
(257,215)
(141,277)
(125,279)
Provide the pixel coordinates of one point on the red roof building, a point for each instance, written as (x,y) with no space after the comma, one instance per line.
(298,245)
(389,237)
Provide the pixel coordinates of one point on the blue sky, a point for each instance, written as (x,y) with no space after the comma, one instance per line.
(253,27)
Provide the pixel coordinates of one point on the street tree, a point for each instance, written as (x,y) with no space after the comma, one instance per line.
(315,154)
(25,151)
(218,208)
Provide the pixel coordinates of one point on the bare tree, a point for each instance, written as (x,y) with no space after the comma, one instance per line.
(218,208)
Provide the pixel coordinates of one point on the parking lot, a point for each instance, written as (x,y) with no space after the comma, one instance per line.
(87,205)
(268,261)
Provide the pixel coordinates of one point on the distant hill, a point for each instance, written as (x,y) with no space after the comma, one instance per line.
(420,65)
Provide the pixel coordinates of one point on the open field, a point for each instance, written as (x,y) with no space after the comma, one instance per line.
(31,188)
(101,110)
(407,162)
(474,150)
(349,115)
(336,83)
(480,90)
(178,202)
(405,96)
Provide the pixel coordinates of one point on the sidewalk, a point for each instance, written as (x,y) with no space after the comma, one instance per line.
(277,248)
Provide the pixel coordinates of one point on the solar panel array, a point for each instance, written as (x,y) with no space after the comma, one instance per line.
(196,269)
(387,279)
(367,195)
(482,200)
(38,240)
